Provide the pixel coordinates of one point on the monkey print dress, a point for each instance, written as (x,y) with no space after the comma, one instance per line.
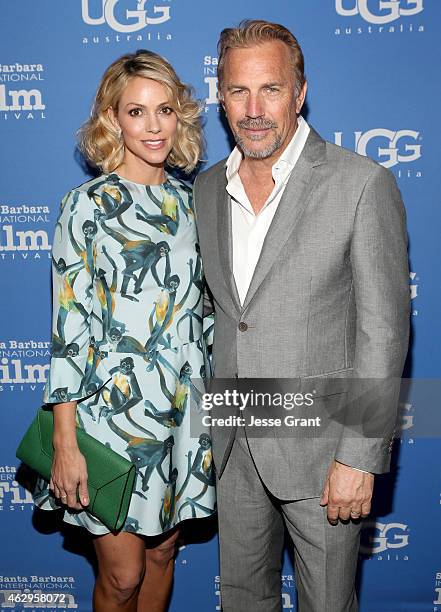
(128,343)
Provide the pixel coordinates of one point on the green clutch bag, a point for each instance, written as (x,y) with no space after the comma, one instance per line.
(110,477)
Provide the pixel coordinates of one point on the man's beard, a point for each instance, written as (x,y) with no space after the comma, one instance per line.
(257,124)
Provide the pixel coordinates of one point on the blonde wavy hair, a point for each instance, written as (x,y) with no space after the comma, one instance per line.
(100,140)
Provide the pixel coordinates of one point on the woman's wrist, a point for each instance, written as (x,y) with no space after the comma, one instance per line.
(65,443)
(64,436)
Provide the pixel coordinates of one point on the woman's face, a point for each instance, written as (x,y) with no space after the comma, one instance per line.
(147,121)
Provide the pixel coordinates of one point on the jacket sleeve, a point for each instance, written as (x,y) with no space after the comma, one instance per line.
(382,299)
(73,254)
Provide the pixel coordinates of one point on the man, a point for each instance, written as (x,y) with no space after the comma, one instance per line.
(304,250)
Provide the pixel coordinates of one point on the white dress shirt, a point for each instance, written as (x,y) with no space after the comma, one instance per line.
(249,230)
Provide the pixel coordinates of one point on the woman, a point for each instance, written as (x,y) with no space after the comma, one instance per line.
(127,329)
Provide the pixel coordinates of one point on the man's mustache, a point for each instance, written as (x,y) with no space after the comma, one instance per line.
(256,124)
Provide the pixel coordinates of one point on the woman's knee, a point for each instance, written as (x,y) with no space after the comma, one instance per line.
(123,582)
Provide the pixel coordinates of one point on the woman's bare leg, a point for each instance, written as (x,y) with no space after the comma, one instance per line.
(158,578)
(121,568)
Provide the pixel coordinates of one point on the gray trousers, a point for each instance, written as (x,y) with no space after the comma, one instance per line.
(251,534)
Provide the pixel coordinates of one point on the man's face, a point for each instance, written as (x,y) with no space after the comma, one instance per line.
(259,99)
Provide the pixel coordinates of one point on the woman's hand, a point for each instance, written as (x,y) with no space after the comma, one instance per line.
(69,475)
(69,469)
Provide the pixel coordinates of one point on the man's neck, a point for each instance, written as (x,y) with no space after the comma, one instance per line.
(257,169)
(258,182)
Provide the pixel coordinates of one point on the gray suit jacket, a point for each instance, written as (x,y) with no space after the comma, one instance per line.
(329,298)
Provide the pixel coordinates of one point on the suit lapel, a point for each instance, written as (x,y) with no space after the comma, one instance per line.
(225,238)
(293,203)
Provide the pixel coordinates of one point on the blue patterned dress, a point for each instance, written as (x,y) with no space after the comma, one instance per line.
(128,342)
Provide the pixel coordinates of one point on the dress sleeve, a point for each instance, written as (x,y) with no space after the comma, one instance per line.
(73,254)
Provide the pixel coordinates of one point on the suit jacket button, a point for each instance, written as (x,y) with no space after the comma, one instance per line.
(243,326)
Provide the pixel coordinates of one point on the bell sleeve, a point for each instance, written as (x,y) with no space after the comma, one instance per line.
(72,285)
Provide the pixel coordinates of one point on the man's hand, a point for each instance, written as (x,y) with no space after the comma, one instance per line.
(347,493)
